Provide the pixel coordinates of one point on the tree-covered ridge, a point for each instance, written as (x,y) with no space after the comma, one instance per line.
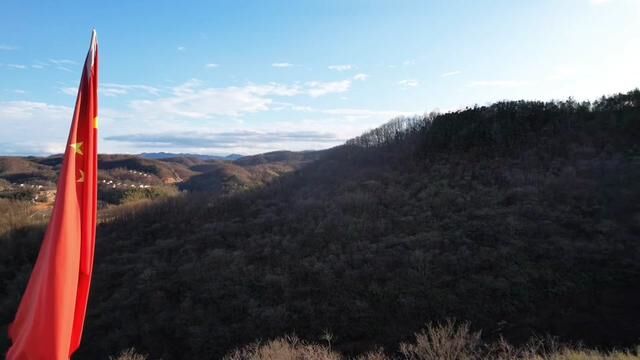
(442,216)
(513,125)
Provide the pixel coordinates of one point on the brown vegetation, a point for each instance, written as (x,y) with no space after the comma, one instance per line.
(447,341)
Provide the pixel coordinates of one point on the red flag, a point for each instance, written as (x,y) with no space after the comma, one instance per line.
(50,318)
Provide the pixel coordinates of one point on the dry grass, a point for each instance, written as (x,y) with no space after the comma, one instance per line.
(286,348)
(129,354)
(374,355)
(15,214)
(444,341)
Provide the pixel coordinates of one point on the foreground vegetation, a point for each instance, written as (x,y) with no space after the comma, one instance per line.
(446,341)
(522,217)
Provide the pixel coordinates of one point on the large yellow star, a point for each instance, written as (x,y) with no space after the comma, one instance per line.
(77,147)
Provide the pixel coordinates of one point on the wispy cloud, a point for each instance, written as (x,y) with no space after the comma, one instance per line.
(21,110)
(497,83)
(4,47)
(408,83)
(192,100)
(451,73)
(318,88)
(273,89)
(111,89)
(360,77)
(17,66)
(62,62)
(181,48)
(281,65)
(223,140)
(409,62)
(37,66)
(343,67)
(46,125)
(211,65)
(69,91)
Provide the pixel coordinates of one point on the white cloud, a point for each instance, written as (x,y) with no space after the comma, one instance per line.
(17,66)
(301,108)
(181,48)
(61,62)
(317,88)
(343,67)
(360,77)
(194,106)
(193,101)
(451,73)
(225,139)
(19,110)
(407,83)
(211,65)
(281,65)
(69,91)
(31,127)
(274,89)
(111,89)
(19,91)
(409,62)
(4,47)
(309,128)
(497,83)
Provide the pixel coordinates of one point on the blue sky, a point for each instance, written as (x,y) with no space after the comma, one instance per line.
(220,77)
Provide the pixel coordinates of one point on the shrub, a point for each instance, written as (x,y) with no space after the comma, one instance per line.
(286,348)
(446,341)
(129,354)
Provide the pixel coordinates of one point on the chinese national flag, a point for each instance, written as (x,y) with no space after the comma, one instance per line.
(49,320)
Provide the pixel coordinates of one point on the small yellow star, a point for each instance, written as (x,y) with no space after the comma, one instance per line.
(95,122)
(81,176)
(77,147)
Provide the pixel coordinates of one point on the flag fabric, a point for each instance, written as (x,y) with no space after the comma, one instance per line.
(50,317)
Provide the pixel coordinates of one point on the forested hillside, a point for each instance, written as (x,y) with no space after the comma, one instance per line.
(520,217)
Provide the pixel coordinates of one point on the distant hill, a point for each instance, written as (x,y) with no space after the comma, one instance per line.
(247,172)
(225,177)
(165,155)
(190,172)
(279,156)
(21,170)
